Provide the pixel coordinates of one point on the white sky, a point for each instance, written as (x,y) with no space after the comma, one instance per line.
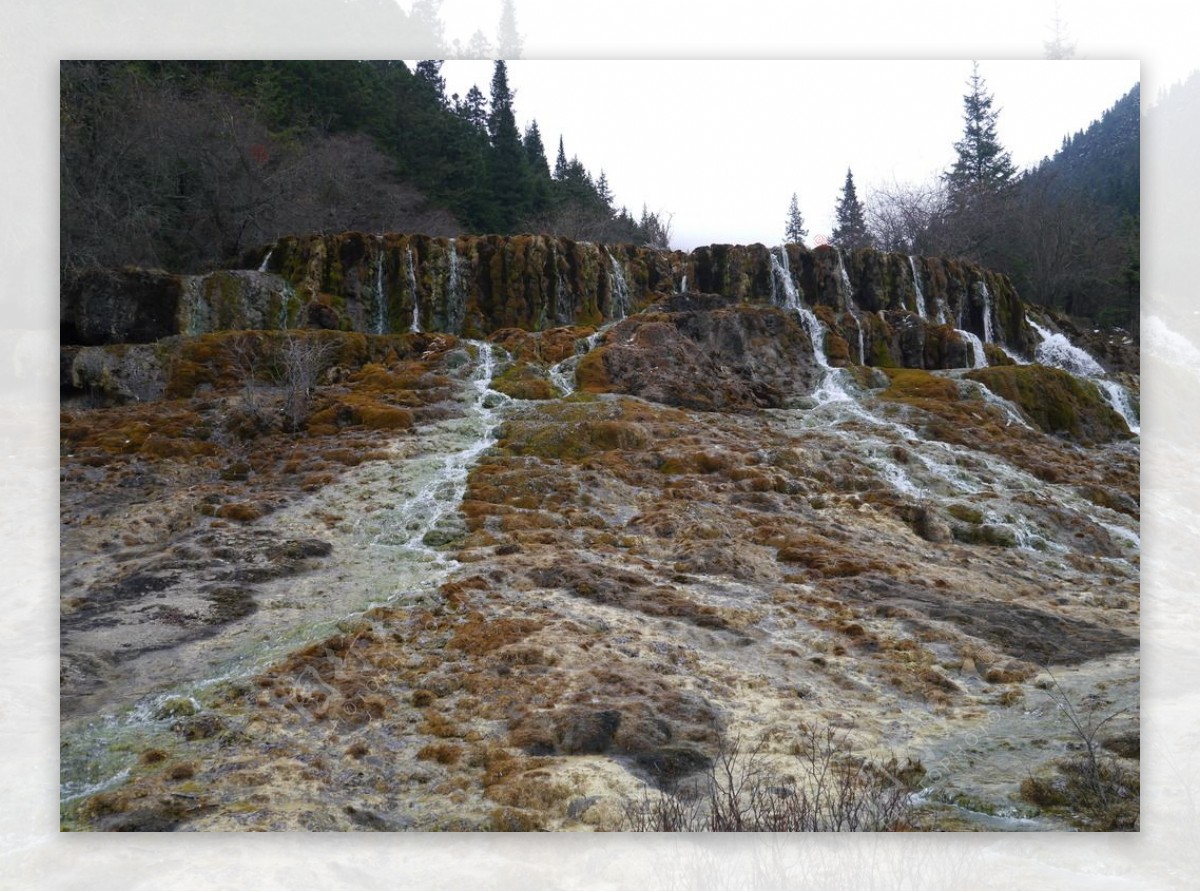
(722,145)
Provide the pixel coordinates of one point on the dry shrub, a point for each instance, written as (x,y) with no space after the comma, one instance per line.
(442,753)
(826,787)
(438,725)
(181,771)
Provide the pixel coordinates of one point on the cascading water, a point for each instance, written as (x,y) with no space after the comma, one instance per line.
(683,284)
(419,523)
(620,290)
(976,346)
(853,308)
(412,291)
(381,317)
(390,552)
(781,276)
(1056,350)
(987,312)
(912,262)
(455,300)
(562,374)
(262,267)
(830,389)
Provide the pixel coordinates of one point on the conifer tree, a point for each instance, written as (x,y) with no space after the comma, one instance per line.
(560,162)
(473,109)
(535,151)
(428,71)
(983,167)
(851,229)
(602,189)
(508,168)
(509,41)
(794,232)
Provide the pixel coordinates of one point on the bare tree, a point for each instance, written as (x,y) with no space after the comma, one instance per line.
(303,356)
(825,786)
(907,217)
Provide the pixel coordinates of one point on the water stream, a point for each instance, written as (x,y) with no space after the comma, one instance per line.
(1055,349)
(412,291)
(394,515)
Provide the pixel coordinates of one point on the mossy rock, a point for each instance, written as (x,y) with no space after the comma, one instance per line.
(1056,401)
(524,381)
(914,385)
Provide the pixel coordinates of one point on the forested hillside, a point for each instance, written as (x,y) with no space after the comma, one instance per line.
(1080,252)
(183,164)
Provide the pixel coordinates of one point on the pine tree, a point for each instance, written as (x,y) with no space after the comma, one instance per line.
(473,109)
(535,151)
(560,162)
(509,173)
(603,190)
(851,229)
(1059,47)
(428,71)
(426,19)
(983,167)
(794,232)
(510,42)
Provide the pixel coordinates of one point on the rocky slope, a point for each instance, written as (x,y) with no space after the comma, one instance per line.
(514,583)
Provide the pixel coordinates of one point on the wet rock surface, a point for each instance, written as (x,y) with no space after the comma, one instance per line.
(705,542)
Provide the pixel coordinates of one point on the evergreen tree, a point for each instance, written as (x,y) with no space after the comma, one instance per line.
(473,109)
(851,229)
(983,167)
(794,232)
(508,170)
(478,47)
(535,151)
(1059,47)
(426,20)
(510,42)
(560,162)
(428,72)
(602,189)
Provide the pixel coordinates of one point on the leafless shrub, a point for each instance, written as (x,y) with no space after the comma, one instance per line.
(826,787)
(1092,789)
(302,358)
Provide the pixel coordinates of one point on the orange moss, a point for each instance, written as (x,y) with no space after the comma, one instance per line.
(479,635)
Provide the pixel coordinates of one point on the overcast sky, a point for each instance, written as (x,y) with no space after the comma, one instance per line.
(720,146)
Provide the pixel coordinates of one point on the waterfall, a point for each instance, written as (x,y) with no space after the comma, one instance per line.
(912,261)
(287,297)
(1056,350)
(262,267)
(987,313)
(1059,352)
(683,285)
(781,274)
(1118,397)
(976,345)
(852,307)
(830,389)
(562,374)
(412,290)
(381,320)
(455,301)
(620,291)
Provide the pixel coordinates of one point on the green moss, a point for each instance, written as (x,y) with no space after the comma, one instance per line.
(912,385)
(524,381)
(1058,402)
(965,513)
